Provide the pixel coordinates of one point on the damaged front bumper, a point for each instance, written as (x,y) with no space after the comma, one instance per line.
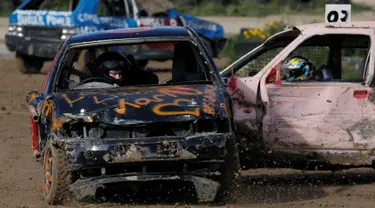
(89,152)
(206,189)
(194,158)
(42,48)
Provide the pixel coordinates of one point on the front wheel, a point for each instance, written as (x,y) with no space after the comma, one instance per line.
(29,64)
(56,175)
(229,179)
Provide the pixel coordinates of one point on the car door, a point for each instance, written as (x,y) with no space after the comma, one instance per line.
(243,80)
(321,115)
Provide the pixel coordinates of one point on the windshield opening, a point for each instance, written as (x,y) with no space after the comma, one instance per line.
(51,5)
(119,65)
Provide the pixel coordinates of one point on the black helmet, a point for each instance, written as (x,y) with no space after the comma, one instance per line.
(112,61)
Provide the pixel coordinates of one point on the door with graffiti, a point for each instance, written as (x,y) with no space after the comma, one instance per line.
(327,107)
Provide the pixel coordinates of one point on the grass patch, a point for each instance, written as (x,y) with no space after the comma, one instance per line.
(275,7)
(5,13)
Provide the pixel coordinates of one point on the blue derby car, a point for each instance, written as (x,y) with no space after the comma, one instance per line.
(91,126)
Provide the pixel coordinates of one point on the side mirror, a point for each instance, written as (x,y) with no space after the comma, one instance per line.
(34,97)
(225,80)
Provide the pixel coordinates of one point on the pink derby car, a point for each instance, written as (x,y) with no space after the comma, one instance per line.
(325,121)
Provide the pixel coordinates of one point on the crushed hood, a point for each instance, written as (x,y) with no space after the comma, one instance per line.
(142,104)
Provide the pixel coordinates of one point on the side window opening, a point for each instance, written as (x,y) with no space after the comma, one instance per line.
(111,8)
(256,60)
(103,9)
(131,8)
(157,8)
(258,63)
(118,8)
(353,62)
(318,55)
(344,56)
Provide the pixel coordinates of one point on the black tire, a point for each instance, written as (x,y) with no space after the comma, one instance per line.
(29,64)
(230,176)
(56,175)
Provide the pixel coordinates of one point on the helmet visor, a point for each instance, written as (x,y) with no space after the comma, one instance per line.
(114,64)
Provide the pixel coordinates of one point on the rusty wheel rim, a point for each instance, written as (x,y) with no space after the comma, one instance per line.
(48,171)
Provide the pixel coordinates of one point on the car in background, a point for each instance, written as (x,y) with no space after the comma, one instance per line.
(37,27)
(320,123)
(169,125)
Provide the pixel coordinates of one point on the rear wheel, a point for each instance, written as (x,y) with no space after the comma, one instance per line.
(56,175)
(29,64)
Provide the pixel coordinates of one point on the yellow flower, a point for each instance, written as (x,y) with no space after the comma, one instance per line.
(247,36)
(253,32)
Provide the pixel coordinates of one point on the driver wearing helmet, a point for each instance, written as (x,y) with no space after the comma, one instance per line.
(114,67)
(297,68)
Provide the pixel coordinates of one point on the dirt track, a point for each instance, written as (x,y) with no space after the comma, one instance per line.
(20,178)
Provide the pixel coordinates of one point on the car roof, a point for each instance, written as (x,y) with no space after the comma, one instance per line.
(351,26)
(138,32)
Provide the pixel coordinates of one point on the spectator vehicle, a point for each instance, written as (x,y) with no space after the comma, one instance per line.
(37,27)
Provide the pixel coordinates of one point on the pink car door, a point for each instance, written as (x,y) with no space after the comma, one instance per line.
(322,115)
(243,83)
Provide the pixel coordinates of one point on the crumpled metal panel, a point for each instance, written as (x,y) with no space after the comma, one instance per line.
(111,151)
(330,119)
